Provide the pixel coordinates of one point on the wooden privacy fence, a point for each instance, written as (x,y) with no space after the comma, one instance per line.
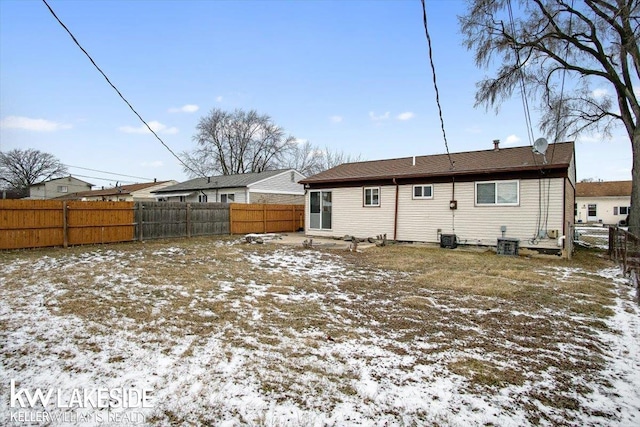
(40,223)
(178,219)
(259,218)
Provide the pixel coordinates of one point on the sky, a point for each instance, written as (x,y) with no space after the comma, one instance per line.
(351,76)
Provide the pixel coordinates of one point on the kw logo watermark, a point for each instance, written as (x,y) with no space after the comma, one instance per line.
(124,405)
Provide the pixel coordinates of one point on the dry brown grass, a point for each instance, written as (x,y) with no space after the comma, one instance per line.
(504,320)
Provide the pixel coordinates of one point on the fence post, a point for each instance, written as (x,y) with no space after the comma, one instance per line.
(65,226)
(188,219)
(264,218)
(611,243)
(139,215)
(230,207)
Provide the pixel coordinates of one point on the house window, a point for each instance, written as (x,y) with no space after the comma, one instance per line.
(504,193)
(372,196)
(592,210)
(423,191)
(63,189)
(202,198)
(624,210)
(575,209)
(320,210)
(183,198)
(227,197)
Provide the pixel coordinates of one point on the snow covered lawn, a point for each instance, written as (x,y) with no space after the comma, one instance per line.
(229,334)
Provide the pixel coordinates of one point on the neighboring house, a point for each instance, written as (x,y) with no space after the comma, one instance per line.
(57,187)
(603,202)
(122,193)
(272,187)
(511,192)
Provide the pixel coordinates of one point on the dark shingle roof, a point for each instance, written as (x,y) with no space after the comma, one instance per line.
(221,181)
(121,189)
(558,156)
(603,189)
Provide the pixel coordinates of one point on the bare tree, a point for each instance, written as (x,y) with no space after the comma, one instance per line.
(19,169)
(579,58)
(309,159)
(237,142)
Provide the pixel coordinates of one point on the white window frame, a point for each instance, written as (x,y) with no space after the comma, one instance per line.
(325,209)
(364,197)
(423,197)
(63,188)
(495,200)
(626,208)
(226,196)
(202,198)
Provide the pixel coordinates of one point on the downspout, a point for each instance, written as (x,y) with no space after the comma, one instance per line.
(395,218)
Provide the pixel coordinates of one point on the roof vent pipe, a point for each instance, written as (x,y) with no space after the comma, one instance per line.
(496,145)
(414,161)
(208,180)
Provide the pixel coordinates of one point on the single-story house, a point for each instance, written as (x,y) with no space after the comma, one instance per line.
(56,187)
(122,193)
(478,196)
(271,187)
(605,202)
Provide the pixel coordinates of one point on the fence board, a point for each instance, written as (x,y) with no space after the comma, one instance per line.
(39,223)
(30,223)
(265,218)
(178,219)
(100,222)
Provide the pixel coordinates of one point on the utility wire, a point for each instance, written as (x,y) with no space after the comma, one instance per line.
(109,173)
(435,83)
(116,89)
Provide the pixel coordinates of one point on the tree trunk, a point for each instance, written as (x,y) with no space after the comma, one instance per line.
(634,215)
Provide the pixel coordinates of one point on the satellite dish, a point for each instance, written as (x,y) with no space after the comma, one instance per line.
(540,146)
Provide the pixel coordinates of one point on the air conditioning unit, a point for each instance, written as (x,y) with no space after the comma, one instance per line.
(448,241)
(508,246)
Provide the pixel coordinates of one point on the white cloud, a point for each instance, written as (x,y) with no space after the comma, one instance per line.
(512,140)
(156,126)
(377,118)
(152,164)
(407,115)
(37,125)
(599,93)
(219,98)
(188,108)
(335,119)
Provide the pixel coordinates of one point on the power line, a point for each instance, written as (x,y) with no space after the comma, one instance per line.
(115,88)
(435,83)
(109,173)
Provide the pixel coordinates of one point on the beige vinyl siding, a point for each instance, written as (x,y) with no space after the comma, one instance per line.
(482,224)
(280,183)
(213,195)
(423,220)
(349,216)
